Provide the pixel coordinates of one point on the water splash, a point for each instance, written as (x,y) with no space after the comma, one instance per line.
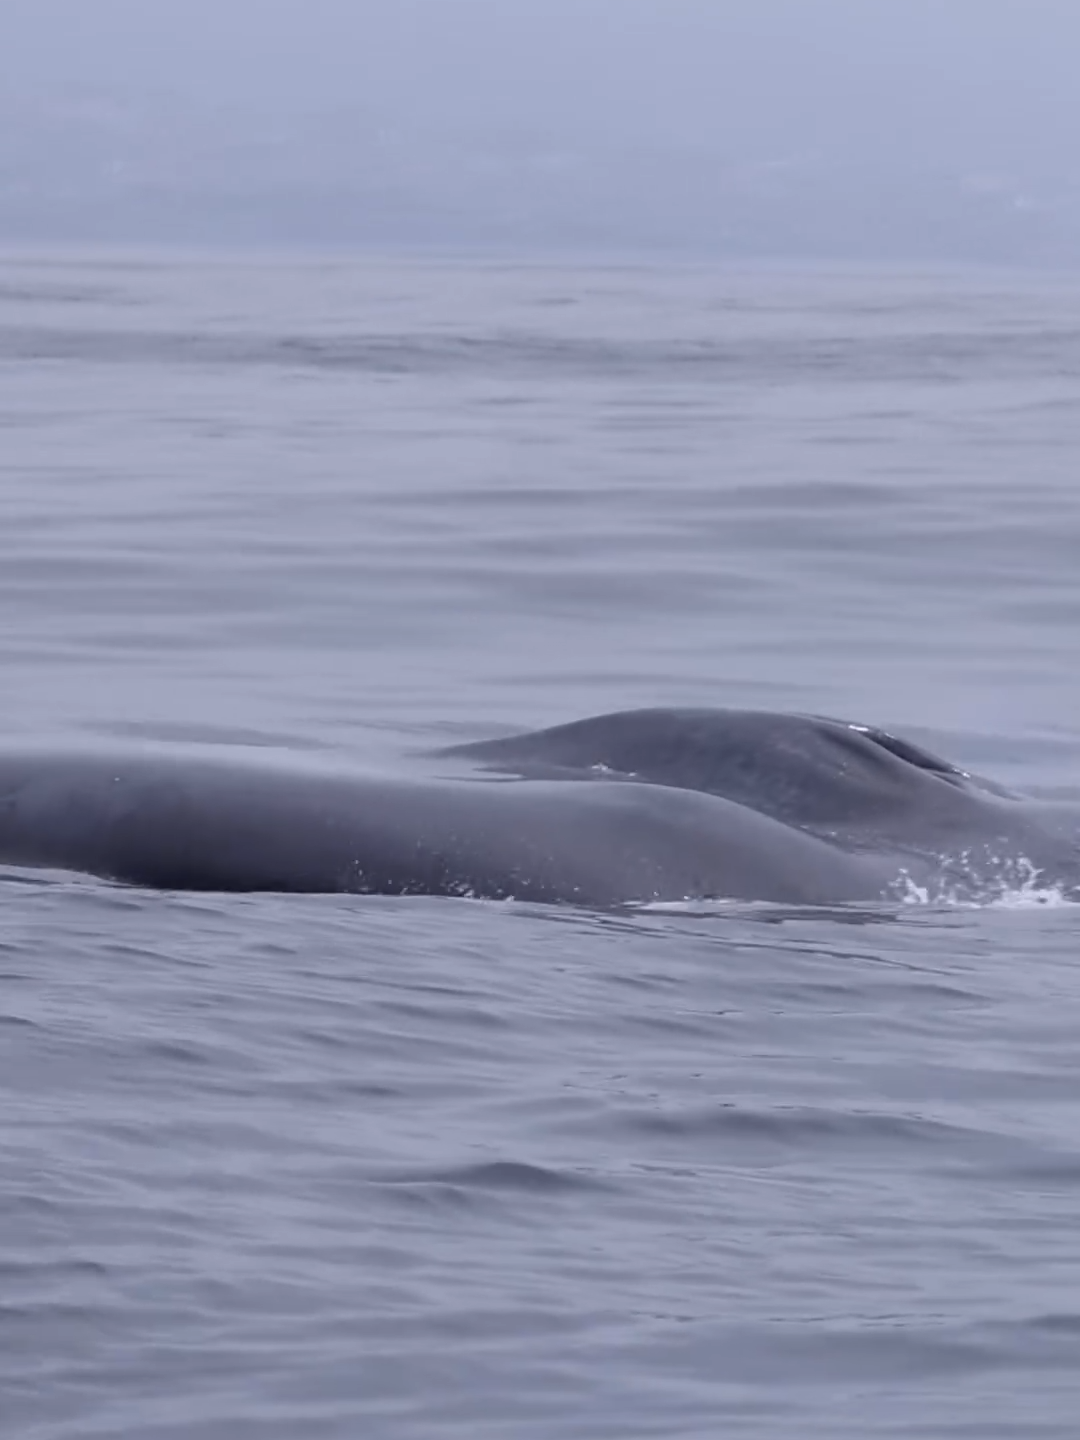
(1019,885)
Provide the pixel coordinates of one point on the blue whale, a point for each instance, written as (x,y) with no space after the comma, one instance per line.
(638,806)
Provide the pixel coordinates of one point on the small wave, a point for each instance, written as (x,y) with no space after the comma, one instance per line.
(514,1175)
(840,358)
(771,912)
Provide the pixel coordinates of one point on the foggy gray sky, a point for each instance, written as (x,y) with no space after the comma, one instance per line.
(878,86)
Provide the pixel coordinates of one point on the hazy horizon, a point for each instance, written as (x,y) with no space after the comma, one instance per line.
(839,129)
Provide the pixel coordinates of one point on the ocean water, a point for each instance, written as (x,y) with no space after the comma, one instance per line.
(353,1166)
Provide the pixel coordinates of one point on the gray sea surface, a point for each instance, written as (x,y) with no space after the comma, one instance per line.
(304,1167)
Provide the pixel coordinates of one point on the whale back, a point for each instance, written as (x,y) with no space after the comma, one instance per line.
(643,805)
(175,821)
(806,770)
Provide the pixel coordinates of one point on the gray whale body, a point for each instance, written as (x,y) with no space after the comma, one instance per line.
(638,806)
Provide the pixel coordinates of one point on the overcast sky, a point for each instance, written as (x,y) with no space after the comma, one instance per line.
(969,84)
(951,73)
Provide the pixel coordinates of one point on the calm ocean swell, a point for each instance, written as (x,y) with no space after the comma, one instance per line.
(330,1166)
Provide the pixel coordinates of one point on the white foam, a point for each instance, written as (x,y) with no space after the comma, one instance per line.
(1019,887)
